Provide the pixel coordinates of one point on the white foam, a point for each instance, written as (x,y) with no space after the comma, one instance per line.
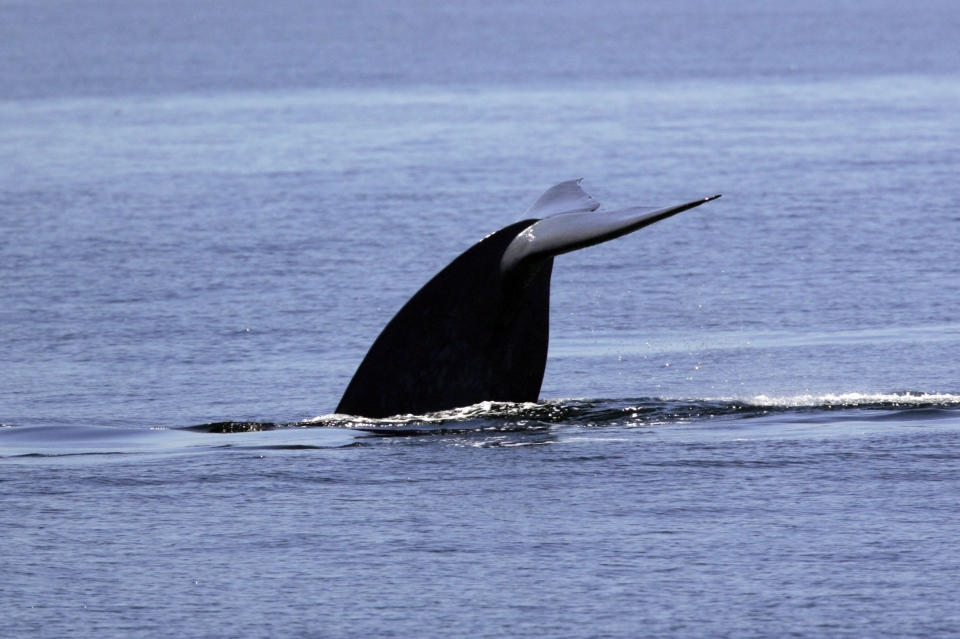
(481,409)
(851,399)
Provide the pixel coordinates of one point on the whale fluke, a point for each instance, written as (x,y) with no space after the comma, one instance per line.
(479,329)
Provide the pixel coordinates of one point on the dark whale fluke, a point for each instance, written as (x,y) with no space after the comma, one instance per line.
(478,330)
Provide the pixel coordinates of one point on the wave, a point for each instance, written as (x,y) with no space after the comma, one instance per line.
(505,416)
(849,400)
(771,414)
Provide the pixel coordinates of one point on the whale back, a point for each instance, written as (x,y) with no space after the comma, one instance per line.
(473,333)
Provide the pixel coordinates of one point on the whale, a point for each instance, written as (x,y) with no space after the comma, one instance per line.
(479,329)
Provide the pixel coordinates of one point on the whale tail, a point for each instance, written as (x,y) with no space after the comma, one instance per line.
(478,330)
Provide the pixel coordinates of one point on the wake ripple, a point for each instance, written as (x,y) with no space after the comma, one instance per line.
(772,415)
(648,411)
(507,417)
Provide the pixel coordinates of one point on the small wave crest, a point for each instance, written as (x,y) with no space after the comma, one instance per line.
(646,411)
(499,416)
(858,400)
(643,412)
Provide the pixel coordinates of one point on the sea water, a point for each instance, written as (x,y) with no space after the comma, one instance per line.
(750,417)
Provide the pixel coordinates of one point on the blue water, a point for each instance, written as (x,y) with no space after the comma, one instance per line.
(750,418)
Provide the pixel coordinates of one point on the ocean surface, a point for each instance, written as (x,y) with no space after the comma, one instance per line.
(750,420)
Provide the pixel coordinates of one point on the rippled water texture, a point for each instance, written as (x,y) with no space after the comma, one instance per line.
(750,416)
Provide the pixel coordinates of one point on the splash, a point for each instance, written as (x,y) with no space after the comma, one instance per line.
(481,410)
(630,412)
(854,400)
(635,412)
(483,416)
